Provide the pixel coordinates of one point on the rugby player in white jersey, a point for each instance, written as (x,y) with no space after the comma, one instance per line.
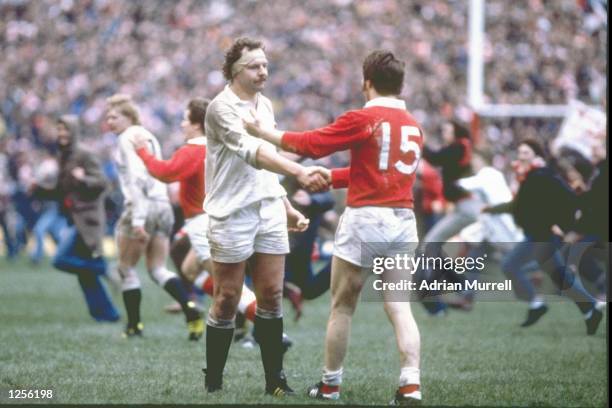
(146,222)
(249,215)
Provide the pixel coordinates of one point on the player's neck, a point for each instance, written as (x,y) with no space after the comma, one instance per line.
(243,94)
(372,94)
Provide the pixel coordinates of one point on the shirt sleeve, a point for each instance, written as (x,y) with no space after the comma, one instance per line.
(175,169)
(228,124)
(136,187)
(350,128)
(340,177)
(452,153)
(470,183)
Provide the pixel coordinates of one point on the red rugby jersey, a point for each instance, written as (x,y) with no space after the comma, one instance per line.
(185,166)
(385,143)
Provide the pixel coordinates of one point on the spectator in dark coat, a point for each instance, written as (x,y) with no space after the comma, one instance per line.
(544,206)
(80,190)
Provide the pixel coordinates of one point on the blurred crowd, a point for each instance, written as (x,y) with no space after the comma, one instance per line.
(67,56)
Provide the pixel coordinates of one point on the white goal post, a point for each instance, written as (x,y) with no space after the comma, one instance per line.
(476,75)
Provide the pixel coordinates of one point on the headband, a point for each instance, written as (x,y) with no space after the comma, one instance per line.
(247,58)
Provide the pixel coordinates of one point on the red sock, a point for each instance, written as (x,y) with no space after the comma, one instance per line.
(328,389)
(407,389)
(249,313)
(208,286)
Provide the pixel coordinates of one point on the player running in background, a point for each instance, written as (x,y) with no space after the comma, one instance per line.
(542,206)
(490,231)
(249,216)
(454,160)
(385,143)
(146,223)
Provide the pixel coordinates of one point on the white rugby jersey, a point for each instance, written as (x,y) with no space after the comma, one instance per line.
(490,185)
(137,185)
(232,179)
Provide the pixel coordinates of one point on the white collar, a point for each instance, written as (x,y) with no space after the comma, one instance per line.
(200,140)
(236,100)
(386,102)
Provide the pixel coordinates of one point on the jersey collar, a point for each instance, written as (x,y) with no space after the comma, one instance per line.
(234,99)
(386,102)
(200,140)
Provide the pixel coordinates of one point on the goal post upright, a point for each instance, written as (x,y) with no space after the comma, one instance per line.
(476,77)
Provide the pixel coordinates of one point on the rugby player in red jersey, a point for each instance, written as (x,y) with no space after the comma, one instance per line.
(385,143)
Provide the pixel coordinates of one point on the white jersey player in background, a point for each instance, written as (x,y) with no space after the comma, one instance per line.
(490,185)
(498,230)
(147,219)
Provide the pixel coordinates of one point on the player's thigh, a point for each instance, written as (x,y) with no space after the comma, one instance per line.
(129,250)
(190,266)
(450,225)
(347,280)
(157,251)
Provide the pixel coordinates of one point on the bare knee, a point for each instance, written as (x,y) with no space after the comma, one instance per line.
(345,300)
(226,303)
(270,297)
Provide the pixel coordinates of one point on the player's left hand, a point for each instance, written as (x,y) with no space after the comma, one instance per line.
(296,222)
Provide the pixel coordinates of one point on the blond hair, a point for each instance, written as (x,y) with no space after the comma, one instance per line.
(126,106)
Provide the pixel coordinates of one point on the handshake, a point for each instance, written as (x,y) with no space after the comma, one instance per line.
(315,178)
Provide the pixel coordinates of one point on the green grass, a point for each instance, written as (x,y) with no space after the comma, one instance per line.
(47,341)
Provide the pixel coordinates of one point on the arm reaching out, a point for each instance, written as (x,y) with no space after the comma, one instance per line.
(312,178)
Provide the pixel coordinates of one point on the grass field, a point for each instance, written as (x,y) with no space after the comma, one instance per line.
(47,341)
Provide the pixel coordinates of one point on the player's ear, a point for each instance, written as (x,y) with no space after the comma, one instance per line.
(366,85)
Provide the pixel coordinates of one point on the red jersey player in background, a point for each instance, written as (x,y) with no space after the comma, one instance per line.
(385,143)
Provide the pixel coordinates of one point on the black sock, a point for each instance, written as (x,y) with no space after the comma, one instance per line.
(218,342)
(131,300)
(269,335)
(175,288)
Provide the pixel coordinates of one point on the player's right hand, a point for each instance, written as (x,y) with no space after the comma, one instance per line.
(315,179)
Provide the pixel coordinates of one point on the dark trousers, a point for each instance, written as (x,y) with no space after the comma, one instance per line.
(75,257)
(298,265)
(547,254)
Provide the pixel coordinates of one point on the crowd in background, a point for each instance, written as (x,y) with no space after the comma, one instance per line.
(67,56)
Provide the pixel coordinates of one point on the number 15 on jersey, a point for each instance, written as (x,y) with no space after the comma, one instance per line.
(406,146)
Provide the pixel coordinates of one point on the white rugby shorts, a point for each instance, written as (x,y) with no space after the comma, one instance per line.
(260,227)
(367,232)
(196,228)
